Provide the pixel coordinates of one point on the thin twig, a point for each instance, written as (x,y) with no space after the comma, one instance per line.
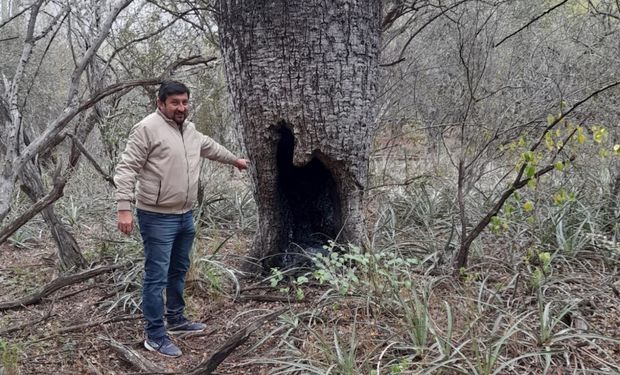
(92,160)
(531,22)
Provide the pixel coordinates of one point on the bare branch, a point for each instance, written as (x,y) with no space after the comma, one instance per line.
(47,48)
(142,38)
(399,11)
(27,50)
(27,324)
(90,52)
(4,23)
(461,258)
(54,128)
(209,365)
(571,109)
(92,160)
(8,38)
(13,122)
(131,356)
(401,55)
(531,22)
(63,14)
(519,182)
(180,15)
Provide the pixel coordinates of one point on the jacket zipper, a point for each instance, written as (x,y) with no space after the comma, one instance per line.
(158,194)
(186,166)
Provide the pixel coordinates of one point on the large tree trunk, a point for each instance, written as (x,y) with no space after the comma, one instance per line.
(302,77)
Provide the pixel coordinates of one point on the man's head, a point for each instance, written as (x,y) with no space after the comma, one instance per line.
(173,101)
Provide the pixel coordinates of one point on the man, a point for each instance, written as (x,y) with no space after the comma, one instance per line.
(162,163)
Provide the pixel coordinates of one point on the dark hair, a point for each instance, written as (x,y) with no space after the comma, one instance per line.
(168,88)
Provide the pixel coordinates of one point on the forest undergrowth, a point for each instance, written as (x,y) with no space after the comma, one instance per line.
(540,294)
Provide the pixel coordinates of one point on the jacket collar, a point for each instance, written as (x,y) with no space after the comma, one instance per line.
(170,121)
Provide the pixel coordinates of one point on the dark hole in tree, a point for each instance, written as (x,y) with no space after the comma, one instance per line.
(310,205)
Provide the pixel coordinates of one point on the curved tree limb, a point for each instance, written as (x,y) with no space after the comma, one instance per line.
(401,55)
(90,52)
(51,197)
(27,324)
(50,135)
(42,142)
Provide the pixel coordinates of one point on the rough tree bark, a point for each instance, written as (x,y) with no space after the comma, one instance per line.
(302,76)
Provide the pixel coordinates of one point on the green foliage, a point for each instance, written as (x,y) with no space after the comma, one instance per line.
(22,238)
(349,270)
(9,357)
(128,293)
(72,210)
(539,265)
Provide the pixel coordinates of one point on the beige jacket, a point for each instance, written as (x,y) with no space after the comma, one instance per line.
(162,165)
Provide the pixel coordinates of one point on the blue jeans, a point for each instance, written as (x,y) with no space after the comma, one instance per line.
(167,242)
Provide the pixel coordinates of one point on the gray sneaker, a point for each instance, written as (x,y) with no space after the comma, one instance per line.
(163,346)
(185,326)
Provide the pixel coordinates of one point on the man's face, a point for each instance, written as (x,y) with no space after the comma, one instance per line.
(175,107)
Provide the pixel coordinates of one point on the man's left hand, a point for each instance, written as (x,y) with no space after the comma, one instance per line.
(241,164)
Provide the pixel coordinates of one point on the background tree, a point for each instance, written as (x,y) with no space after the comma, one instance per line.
(478,87)
(33,141)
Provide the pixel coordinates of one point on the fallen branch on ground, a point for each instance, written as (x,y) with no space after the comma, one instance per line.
(188,335)
(74,292)
(134,358)
(267,298)
(57,284)
(82,326)
(207,367)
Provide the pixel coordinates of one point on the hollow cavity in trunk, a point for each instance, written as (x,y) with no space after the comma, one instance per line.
(309,202)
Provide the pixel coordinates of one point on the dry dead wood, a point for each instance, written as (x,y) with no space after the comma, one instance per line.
(209,365)
(115,319)
(267,298)
(57,284)
(82,326)
(131,356)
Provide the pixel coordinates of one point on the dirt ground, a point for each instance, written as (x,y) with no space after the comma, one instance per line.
(65,333)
